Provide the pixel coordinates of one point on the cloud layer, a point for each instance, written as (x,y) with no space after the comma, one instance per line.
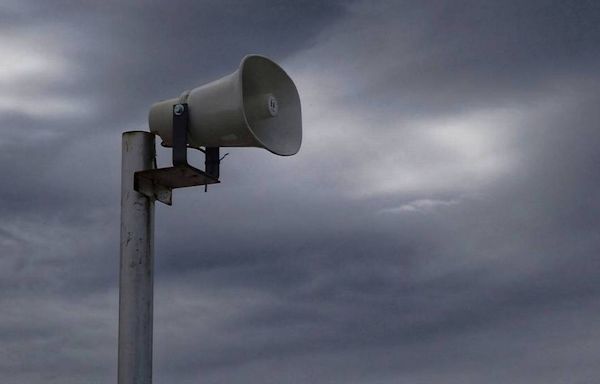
(440,223)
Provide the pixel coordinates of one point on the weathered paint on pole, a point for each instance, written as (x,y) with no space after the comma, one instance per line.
(136,264)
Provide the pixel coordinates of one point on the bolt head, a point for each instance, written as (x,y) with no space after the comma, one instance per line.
(273,105)
(178,109)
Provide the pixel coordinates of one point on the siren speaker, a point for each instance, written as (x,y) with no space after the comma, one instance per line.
(255,106)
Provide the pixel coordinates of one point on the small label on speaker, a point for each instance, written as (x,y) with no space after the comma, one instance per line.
(273,105)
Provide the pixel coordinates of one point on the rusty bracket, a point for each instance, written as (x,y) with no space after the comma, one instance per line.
(158,184)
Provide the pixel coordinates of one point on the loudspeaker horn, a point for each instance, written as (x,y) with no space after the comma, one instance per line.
(256,106)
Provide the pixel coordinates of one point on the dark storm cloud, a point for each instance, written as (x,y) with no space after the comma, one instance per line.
(439,224)
(462,55)
(131,54)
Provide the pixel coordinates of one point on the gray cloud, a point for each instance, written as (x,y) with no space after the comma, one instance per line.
(481,118)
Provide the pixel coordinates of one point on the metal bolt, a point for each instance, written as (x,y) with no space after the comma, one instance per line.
(273,105)
(178,109)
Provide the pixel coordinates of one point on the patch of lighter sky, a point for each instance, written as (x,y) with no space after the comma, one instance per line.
(407,155)
(421,205)
(44,107)
(26,58)
(373,148)
(30,63)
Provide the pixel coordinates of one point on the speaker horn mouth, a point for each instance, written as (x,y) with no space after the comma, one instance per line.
(271,105)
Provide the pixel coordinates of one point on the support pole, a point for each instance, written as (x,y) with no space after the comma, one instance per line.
(137,264)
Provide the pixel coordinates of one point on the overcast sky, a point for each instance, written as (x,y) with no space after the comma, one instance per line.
(441,223)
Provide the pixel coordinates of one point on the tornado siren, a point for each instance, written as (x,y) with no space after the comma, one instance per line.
(255,106)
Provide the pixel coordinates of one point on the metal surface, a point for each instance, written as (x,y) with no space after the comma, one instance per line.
(153,190)
(177,177)
(180,127)
(136,264)
(211,161)
(157,184)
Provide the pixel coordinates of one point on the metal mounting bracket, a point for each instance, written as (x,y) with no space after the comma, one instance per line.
(159,183)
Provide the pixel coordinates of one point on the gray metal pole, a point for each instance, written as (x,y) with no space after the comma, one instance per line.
(137,264)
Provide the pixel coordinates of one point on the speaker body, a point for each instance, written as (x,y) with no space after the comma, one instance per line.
(256,106)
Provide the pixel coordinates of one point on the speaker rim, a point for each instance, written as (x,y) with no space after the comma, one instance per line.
(240,80)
